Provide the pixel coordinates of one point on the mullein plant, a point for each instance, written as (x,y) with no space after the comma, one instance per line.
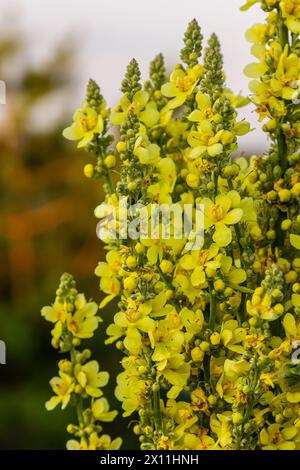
(208,334)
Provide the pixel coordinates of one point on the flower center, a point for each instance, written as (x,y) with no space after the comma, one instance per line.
(133,314)
(87,122)
(217,213)
(73,326)
(184,84)
(202,258)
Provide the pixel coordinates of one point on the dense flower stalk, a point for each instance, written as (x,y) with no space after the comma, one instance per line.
(79,382)
(207,331)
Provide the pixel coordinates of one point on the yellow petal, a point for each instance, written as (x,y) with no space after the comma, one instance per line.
(141,98)
(295,241)
(222,235)
(195,116)
(289,93)
(117,118)
(255,70)
(293,397)
(237,276)
(169,90)
(198,276)
(177,101)
(214,150)
(73,133)
(289,325)
(287,446)
(233,217)
(293,24)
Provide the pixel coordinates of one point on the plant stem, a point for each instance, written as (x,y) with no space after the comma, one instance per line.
(79,399)
(252,396)
(109,183)
(213,307)
(169,285)
(281,141)
(215,180)
(283,32)
(238,233)
(156,408)
(206,371)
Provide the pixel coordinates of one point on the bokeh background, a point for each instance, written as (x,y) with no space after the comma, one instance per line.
(48,51)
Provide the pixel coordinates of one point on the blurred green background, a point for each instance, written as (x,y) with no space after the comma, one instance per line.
(47,227)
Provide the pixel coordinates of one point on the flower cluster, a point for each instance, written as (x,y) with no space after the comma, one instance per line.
(79,381)
(207,332)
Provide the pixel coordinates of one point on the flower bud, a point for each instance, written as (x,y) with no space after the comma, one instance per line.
(192,180)
(110,161)
(88,170)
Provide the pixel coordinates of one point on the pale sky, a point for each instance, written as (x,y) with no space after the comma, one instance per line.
(110,33)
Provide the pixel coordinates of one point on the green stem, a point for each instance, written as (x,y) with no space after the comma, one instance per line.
(213,307)
(109,183)
(238,233)
(79,404)
(206,371)
(281,141)
(242,308)
(156,406)
(282,151)
(283,32)
(169,286)
(215,181)
(237,229)
(251,402)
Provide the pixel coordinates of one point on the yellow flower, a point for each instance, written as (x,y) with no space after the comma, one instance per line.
(257,33)
(220,427)
(266,378)
(219,214)
(181,85)
(86,124)
(167,341)
(277,438)
(108,272)
(202,442)
(135,319)
(231,335)
(199,401)
(100,409)
(146,111)
(290,10)
(291,328)
(232,275)
(131,391)
(56,312)
(63,386)
(261,305)
(166,173)
(90,379)
(201,263)
(181,412)
(95,442)
(192,321)
(233,371)
(287,75)
(204,108)
(204,140)
(147,153)
(177,371)
(84,321)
